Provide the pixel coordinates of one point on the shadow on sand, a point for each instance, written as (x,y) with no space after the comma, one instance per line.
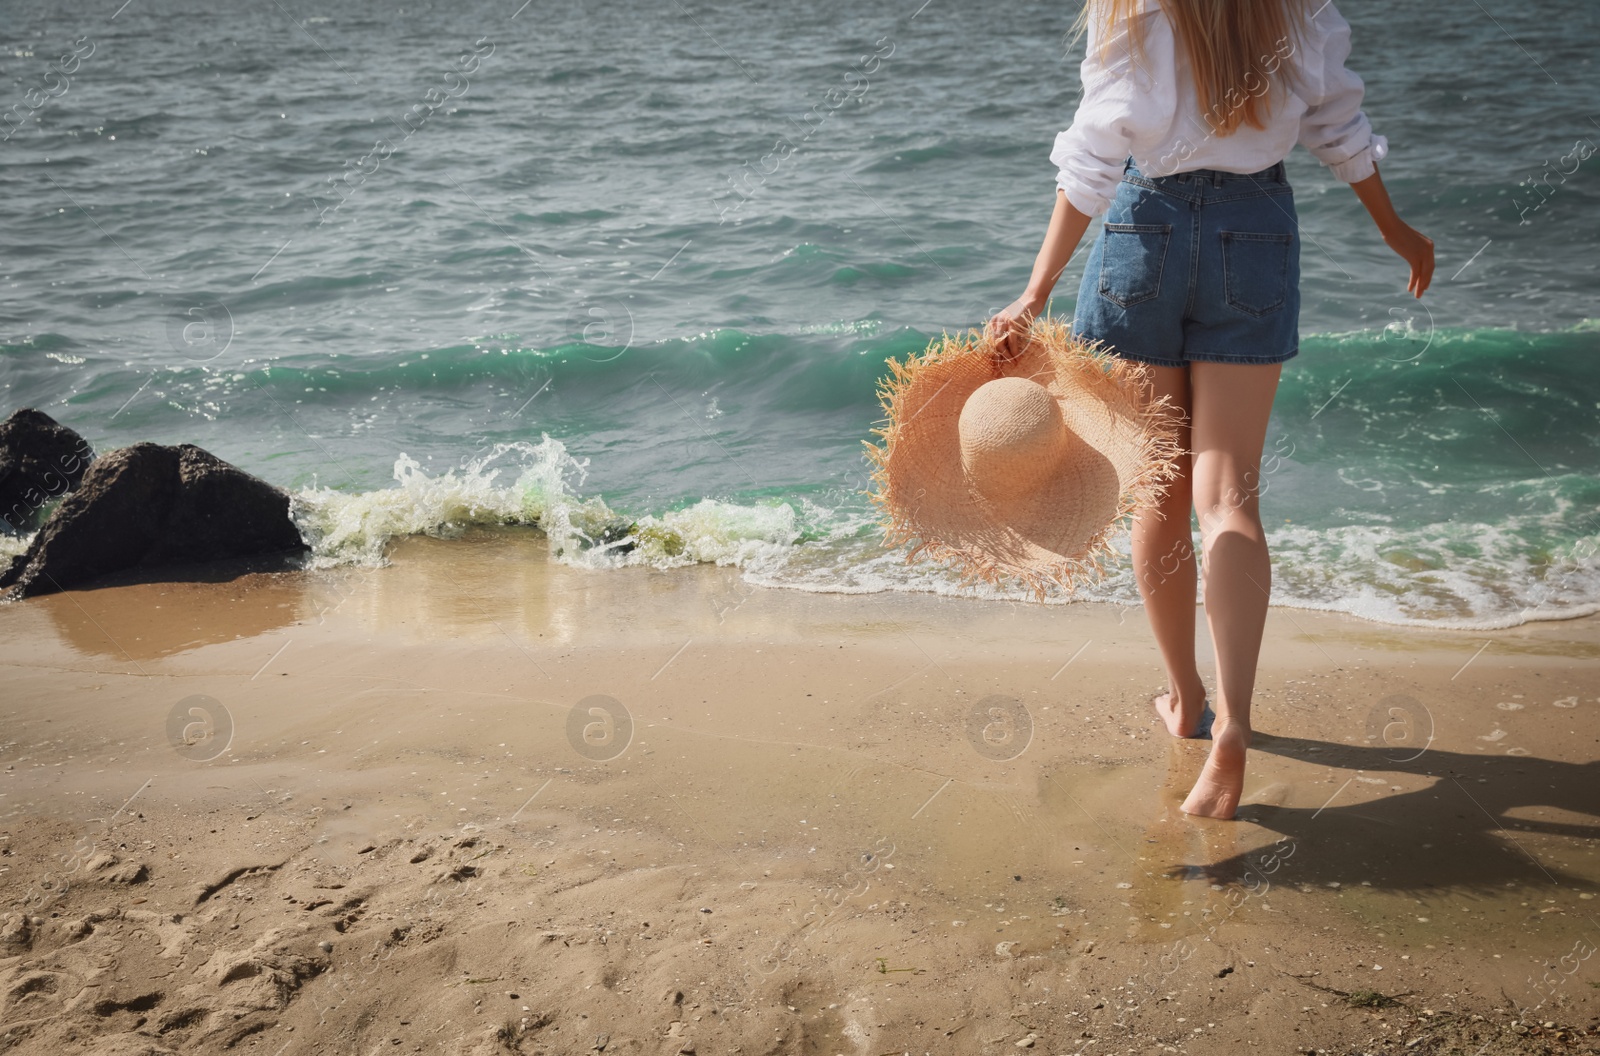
(1476,825)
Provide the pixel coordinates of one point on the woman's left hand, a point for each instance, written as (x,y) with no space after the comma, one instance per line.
(1008,329)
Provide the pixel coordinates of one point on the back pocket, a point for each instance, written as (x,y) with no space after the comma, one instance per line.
(1255,270)
(1131,262)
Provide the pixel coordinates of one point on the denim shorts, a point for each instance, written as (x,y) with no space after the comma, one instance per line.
(1197,266)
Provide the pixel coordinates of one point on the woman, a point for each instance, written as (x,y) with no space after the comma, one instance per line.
(1189,107)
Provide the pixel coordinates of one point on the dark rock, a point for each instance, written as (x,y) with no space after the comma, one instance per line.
(148,506)
(40,460)
(615,537)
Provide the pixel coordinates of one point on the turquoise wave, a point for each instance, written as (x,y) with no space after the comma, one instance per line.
(1444,478)
(1414,475)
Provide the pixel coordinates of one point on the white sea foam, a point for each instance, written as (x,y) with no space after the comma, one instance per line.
(519,483)
(1445,576)
(710,532)
(537,484)
(1452,575)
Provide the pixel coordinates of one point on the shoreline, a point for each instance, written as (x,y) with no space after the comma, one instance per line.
(11,546)
(800,793)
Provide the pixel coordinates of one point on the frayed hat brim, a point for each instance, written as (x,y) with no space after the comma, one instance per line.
(1058,537)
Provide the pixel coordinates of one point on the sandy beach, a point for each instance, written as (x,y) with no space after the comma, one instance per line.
(478,802)
(579,707)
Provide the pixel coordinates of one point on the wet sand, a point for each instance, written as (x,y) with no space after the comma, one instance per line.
(475,802)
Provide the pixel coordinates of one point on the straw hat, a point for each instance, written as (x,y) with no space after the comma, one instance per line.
(1018,469)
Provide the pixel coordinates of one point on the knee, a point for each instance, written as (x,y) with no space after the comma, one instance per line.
(1226,502)
(1237,512)
(1164,523)
(1235,533)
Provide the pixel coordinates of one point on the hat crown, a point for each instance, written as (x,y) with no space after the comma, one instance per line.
(1013,437)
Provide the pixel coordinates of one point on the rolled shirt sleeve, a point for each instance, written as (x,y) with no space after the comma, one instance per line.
(1334,128)
(1129,103)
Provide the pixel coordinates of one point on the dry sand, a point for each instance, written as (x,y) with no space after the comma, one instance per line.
(479,803)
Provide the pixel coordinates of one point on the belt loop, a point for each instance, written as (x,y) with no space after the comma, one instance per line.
(1216,177)
(1281,173)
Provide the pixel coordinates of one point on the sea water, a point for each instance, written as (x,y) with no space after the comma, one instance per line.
(631,272)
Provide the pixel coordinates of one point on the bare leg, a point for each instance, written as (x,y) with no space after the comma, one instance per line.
(1164,565)
(1230,404)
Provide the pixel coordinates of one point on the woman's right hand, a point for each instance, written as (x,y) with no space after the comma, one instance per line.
(1416,249)
(1008,329)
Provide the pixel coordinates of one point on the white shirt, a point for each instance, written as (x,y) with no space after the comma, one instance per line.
(1149,110)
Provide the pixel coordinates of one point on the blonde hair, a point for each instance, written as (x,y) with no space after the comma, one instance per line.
(1236,49)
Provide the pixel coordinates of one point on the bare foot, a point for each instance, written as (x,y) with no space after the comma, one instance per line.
(1181,721)
(1216,793)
